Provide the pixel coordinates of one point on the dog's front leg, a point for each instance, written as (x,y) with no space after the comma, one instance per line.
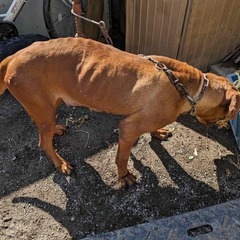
(123,153)
(162,134)
(129,131)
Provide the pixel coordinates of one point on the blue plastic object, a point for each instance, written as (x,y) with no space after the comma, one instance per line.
(235,123)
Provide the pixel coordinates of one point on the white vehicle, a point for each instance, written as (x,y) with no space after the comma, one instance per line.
(59,20)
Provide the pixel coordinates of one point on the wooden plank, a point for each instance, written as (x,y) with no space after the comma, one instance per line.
(157,26)
(210,32)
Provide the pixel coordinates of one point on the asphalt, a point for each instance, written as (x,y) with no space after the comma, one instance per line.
(217,222)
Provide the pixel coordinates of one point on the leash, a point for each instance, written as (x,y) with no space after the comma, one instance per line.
(101,25)
(180,87)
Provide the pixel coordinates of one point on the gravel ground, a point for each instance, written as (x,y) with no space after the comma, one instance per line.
(197,167)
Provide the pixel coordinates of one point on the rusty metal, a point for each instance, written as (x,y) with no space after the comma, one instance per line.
(77,8)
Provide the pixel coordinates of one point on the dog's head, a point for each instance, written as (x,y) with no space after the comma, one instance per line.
(221,103)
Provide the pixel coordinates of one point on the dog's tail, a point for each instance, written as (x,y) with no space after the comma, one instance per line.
(3,69)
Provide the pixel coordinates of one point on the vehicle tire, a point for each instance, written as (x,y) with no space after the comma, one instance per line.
(7,30)
(12,45)
(60,22)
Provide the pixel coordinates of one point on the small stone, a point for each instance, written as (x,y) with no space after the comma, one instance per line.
(191,157)
(7,219)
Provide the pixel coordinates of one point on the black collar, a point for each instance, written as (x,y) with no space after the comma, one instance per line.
(180,87)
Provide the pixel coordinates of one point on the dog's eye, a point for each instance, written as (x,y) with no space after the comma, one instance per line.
(225,107)
(226,104)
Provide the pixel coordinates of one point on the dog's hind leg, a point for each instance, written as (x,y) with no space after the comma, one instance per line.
(47,128)
(43,114)
(60,129)
(46,133)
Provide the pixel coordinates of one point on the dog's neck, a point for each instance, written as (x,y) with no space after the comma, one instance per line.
(189,76)
(190,82)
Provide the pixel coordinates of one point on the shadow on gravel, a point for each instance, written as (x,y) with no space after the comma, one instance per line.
(93,207)
(21,160)
(213,132)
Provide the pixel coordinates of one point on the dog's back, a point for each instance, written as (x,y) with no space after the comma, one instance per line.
(82,72)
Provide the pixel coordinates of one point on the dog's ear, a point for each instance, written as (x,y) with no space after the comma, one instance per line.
(233,98)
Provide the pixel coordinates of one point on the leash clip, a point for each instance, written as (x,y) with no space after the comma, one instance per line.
(104,32)
(101,25)
(160,66)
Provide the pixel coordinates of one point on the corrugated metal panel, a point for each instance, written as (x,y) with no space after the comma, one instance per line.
(154,26)
(211,31)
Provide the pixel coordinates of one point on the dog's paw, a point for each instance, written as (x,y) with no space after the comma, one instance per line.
(127,180)
(66,168)
(60,129)
(162,134)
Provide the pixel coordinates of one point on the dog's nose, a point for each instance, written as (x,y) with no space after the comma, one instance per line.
(210,124)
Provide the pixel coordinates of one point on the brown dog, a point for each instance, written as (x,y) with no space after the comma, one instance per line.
(82,72)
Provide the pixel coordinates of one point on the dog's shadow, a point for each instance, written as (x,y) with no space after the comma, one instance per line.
(213,132)
(93,207)
(22,161)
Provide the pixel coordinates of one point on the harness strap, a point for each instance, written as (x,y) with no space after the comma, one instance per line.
(180,87)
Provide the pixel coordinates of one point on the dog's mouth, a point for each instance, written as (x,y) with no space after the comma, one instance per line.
(206,122)
(222,123)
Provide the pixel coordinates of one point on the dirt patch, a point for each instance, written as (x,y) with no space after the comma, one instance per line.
(190,171)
